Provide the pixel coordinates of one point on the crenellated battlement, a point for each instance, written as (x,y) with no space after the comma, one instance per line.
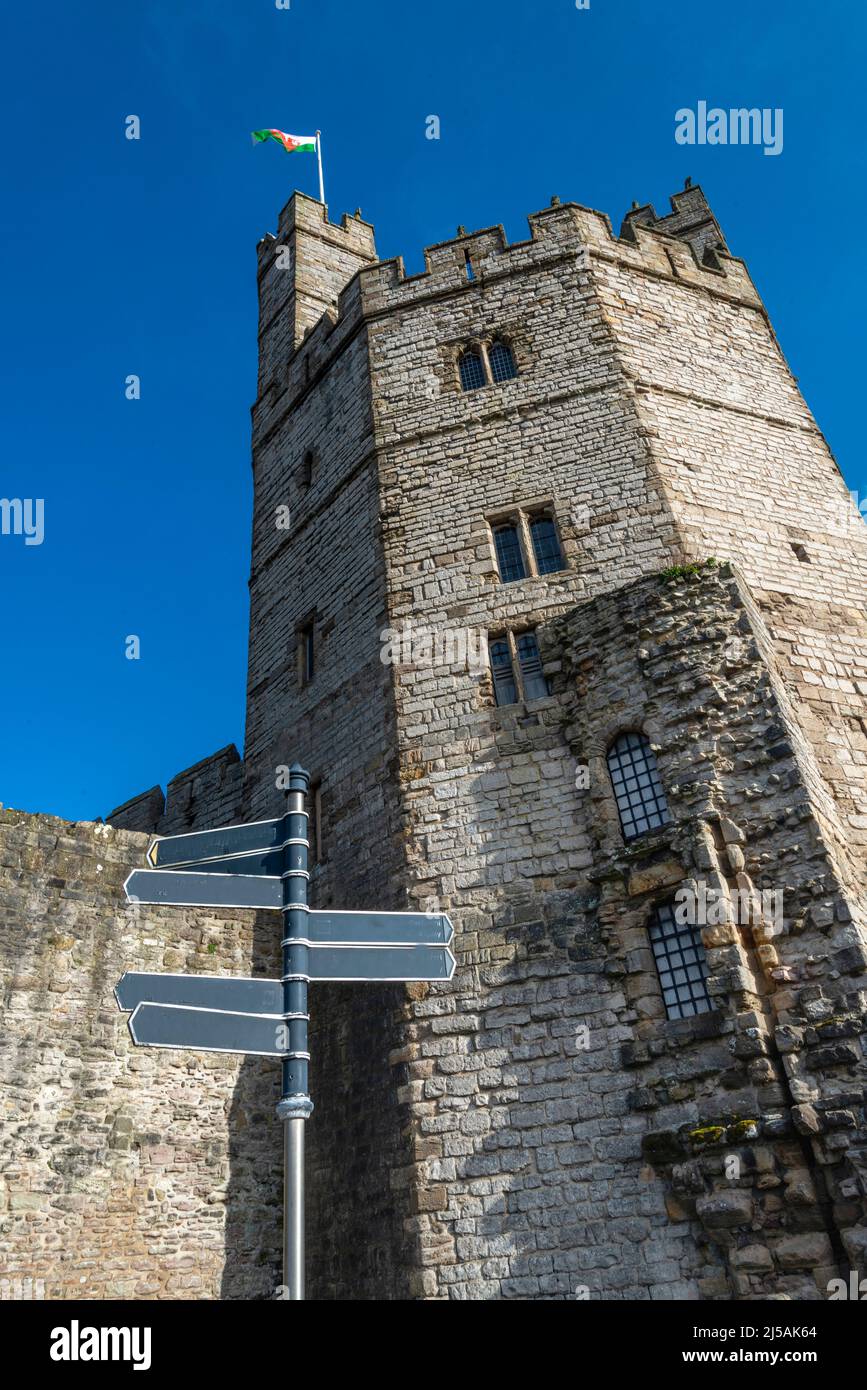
(685,246)
(690,219)
(567,229)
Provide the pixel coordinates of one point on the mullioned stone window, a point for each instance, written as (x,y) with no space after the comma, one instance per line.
(516,668)
(526,543)
(486,364)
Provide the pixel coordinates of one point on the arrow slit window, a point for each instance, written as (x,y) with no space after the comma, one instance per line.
(314,823)
(306,642)
(637,786)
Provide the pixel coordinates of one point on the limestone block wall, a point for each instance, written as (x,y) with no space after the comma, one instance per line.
(127,1173)
(745,795)
(541,1128)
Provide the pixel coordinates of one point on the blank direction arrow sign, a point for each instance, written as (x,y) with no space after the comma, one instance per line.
(232,993)
(203,890)
(260,861)
(380,928)
(217,844)
(380,963)
(164,1025)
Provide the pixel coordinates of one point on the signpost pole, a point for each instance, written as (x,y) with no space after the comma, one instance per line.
(295,1104)
(264,864)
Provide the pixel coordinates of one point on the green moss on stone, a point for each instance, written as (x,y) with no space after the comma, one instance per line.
(741,1129)
(707,1134)
(683,571)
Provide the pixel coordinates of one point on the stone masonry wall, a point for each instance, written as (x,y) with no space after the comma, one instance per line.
(302,271)
(127,1173)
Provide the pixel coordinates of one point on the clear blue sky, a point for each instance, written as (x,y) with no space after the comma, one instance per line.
(127,257)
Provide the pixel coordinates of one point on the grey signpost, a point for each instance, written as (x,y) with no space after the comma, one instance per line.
(295,1105)
(265,865)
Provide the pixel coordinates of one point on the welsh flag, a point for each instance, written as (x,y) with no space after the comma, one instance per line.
(304,144)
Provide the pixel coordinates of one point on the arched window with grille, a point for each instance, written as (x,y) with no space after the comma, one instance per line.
(637,786)
(502,361)
(681,963)
(472,370)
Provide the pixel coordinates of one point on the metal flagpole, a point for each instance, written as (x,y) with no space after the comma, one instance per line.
(319,157)
(295,1105)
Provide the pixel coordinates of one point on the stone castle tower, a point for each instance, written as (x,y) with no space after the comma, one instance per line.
(542,1123)
(572,484)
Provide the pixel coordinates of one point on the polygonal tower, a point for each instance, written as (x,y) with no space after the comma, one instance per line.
(557,591)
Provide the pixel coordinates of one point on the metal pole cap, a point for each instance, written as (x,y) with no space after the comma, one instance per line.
(299,778)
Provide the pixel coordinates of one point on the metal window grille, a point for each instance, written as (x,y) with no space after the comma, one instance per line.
(502,362)
(472,371)
(637,786)
(546,546)
(681,964)
(505,689)
(509,557)
(535,684)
